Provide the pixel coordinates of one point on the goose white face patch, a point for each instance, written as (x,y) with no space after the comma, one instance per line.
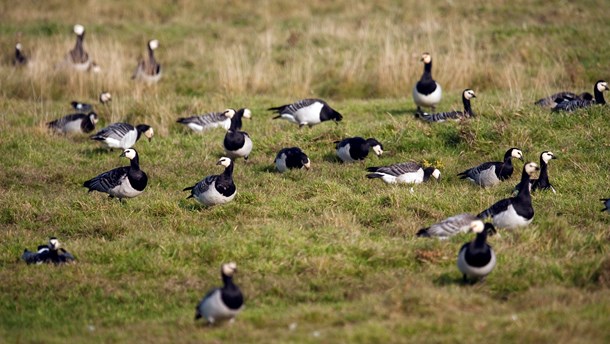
(469,94)
(93,118)
(229,268)
(247,113)
(531,167)
(547,156)
(426,58)
(153,44)
(477,226)
(79,29)
(377,149)
(224,161)
(602,86)
(54,243)
(517,153)
(129,153)
(229,113)
(436,174)
(149,133)
(18,46)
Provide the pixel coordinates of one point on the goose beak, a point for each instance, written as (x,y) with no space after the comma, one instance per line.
(307,165)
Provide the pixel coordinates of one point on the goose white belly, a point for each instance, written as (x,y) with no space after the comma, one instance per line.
(128,140)
(472,271)
(309,114)
(244,151)
(343,153)
(509,219)
(73,126)
(212,197)
(429,100)
(124,189)
(214,310)
(82,67)
(151,79)
(226,124)
(411,177)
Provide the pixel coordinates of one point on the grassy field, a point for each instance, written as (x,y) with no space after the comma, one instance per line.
(324,255)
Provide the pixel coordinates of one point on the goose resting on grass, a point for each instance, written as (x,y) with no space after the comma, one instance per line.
(406,172)
(467,94)
(50,253)
(224,303)
(492,172)
(461,223)
(74,123)
(307,112)
(570,105)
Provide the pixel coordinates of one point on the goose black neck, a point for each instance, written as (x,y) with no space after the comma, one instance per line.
(427,71)
(228,170)
(227,281)
(480,240)
(236,121)
(466,102)
(599,96)
(543,170)
(151,54)
(135,163)
(524,186)
(80,39)
(427,173)
(508,158)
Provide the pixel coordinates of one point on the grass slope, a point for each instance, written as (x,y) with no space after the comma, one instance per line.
(323,255)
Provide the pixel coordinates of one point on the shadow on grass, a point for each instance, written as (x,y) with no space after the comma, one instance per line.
(92,152)
(446,279)
(402,112)
(331,157)
(191,204)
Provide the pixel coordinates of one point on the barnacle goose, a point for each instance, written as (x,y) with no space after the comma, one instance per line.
(461,223)
(356,148)
(570,105)
(123,135)
(74,123)
(224,303)
(78,58)
(454,115)
(215,189)
(493,172)
(542,182)
(237,143)
(149,70)
(427,92)
(20,59)
(50,253)
(307,112)
(516,211)
(214,120)
(606,204)
(78,106)
(289,158)
(406,172)
(554,99)
(121,182)
(476,258)
(105,97)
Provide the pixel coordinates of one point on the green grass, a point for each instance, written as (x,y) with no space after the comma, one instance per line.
(324,255)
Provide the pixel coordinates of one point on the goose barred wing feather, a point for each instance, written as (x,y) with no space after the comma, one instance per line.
(66,256)
(203,185)
(552,99)
(205,119)
(443,116)
(449,226)
(572,105)
(470,173)
(30,257)
(397,169)
(115,131)
(61,122)
(107,180)
(296,106)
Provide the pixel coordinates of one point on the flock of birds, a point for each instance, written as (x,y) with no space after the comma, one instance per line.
(476,259)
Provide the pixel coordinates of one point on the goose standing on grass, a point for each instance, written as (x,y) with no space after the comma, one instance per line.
(105,97)
(606,202)
(149,70)
(461,223)
(20,59)
(237,144)
(307,112)
(291,158)
(123,135)
(406,172)
(451,115)
(570,105)
(427,92)
(517,211)
(78,58)
(493,172)
(476,258)
(74,123)
(50,253)
(554,99)
(215,189)
(224,303)
(356,148)
(542,182)
(121,182)
(214,120)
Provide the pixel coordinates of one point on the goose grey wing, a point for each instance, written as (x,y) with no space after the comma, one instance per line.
(115,131)
(296,106)
(205,119)
(107,180)
(204,185)
(451,225)
(399,169)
